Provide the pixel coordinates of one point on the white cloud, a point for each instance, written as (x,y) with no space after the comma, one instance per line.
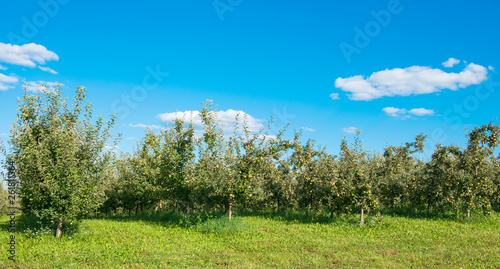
(131,138)
(266,137)
(402,112)
(451,62)
(413,80)
(37,86)
(3,134)
(5,82)
(334,96)
(394,112)
(46,69)
(3,67)
(26,55)
(421,112)
(491,68)
(350,130)
(111,148)
(227,118)
(307,129)
(140,125)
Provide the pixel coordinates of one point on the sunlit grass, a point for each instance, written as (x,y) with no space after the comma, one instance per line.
(170,240)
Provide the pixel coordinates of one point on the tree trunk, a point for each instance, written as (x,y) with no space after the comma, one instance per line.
(158,205)
(278,202)
(59,228)
(136,209)
(230,209)
(468,212)
(428,207)
(207,207)
(362,219)
(308,209)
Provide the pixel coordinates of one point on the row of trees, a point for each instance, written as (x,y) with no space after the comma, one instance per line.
(257,171)
(64,171)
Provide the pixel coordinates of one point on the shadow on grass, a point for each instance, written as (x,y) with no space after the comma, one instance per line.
(31,226)
(218,222)
(318,217)
(202,222)
(443,213)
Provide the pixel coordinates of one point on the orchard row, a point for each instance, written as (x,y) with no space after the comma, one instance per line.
(63,169)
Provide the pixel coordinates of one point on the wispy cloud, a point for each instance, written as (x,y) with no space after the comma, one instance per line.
(46,69)
(144,126)
(39,86)
(451,62)
(394,112)
(227,118)
(334,96)
(29,55)
(413,80)
(307,129)
(7,81)
(404,113)
(421,112)
(111,148)
(350,130)
(3,67)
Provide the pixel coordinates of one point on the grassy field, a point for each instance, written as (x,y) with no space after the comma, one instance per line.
(259,241)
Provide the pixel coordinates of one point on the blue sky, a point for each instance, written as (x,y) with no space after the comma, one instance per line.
(392,68)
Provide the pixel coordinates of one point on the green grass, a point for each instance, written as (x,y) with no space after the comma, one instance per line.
(287,240)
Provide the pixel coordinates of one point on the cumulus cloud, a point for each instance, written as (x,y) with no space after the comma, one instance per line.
(46,69)
(39,86)
(402,112)
(413,80)
(421,112)
(334,96)
(29,55)
(394,112)
(7,81)
(451,62)
(350,130)
(227,118)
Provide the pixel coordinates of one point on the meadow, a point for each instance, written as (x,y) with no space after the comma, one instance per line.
(257,240)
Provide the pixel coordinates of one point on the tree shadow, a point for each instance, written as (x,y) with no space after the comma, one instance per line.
(166,219)
(372,219)
(179,219)
(315,217)
(440,213)
(32,226)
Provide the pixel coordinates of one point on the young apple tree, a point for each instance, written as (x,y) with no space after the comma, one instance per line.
(59,156)
(478,184)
